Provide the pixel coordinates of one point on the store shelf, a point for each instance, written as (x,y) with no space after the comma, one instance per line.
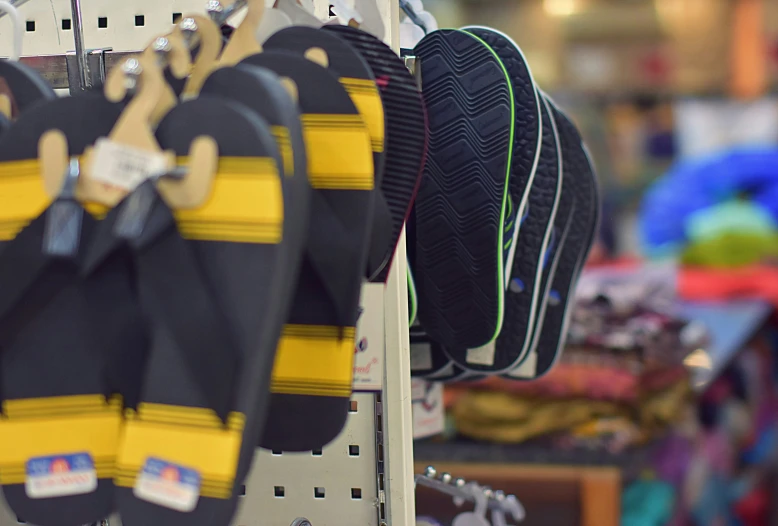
(731,325)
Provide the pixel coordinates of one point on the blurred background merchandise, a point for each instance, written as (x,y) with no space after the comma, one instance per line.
(665,399)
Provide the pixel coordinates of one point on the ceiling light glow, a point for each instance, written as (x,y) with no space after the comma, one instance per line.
(560,7)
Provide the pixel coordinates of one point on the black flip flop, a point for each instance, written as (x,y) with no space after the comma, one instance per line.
(218,276)
(358,79)
(55,377)
(406,128)
(260,90)
(533,202)
(463,202)
(25,86)
(313,373)
(575,244)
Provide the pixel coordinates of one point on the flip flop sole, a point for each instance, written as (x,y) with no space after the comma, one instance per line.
(406,128)
(555,251)
(552,334)
(461,205)
(535,240)
(535,196)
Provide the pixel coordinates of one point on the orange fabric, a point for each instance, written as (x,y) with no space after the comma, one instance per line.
(749,50)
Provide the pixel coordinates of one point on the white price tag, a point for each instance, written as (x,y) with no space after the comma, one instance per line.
(428,412)
(421,356)
(483,355)
(369,345)
(528,367)
(124,166)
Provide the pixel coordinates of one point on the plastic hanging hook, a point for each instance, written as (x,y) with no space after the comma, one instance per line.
(16,20)
(407,8)
(515,508)
(62,231)
(477,517)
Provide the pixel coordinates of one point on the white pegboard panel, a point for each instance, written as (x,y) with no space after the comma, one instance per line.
(336,486)
(121,25)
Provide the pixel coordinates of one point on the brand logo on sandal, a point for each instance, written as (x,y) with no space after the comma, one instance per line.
(60,476)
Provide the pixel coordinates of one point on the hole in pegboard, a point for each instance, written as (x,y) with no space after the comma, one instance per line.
(316,452)
(30,25)
(140,20)
(353,406)
(318,493)
(279,492)
(102,22)
(67,24)
(276,452)
(353,450)
(177,17)
(356,493)
(242,492)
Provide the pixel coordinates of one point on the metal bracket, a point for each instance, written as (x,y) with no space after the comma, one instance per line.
(94,70)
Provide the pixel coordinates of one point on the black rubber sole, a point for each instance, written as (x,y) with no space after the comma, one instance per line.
(535,181)
(406,129)
(552,328)
(460,204)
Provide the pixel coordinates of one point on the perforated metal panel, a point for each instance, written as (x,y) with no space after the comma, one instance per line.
(121,25)
(332,487)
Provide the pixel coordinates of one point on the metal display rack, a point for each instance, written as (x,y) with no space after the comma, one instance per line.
(363,478)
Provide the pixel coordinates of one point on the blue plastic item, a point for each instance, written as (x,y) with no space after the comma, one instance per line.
(696,184)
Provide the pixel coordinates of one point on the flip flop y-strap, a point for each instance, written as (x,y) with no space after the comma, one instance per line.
(170,277)
(330,240)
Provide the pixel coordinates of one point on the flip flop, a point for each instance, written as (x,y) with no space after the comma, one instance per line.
(261,90)
(59,415)
(534,199)
(554,251)
(574,246)
(463,203)
(313,373)
(356,76)
(218,276)
(24,86)
(406,129)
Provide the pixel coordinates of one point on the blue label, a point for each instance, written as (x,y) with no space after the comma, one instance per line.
(74,462)
(172,473)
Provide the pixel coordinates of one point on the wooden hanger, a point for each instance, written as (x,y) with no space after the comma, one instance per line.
(5,105)
(134,128)
(318,56)
(210,38)
(243,42)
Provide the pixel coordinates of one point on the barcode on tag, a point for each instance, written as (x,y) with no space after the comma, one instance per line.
(124,166)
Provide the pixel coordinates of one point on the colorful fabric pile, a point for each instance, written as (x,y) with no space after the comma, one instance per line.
(621,381)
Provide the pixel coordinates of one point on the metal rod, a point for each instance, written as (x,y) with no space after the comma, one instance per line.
(78,37)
